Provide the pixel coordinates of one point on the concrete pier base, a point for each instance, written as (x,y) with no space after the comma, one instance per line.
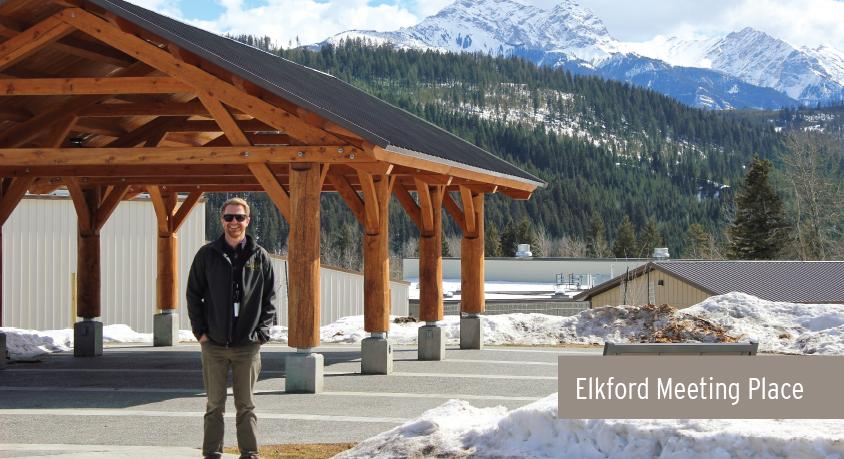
(88,338)
(431,342)
(4,354)
(471,332)
(304,372)
(376,354)
(165,329)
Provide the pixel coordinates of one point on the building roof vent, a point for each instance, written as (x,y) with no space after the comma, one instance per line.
(523,251)
(661,253)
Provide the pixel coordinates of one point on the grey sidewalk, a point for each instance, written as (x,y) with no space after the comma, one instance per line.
(149,402)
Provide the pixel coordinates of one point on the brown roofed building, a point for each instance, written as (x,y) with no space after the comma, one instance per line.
(684,283)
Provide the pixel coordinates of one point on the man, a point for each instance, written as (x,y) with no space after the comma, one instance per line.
(231,304)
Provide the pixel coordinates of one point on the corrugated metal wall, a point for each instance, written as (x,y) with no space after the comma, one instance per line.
(39,258)
(340,294)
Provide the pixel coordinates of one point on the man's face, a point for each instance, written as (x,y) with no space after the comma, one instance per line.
(234,229)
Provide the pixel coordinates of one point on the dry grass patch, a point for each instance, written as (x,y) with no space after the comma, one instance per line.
(298,450)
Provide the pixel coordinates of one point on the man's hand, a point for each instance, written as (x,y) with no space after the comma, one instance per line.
(203,339)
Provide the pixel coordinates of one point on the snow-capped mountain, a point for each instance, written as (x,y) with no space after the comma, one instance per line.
(503,27)
(804,74)
(745,69)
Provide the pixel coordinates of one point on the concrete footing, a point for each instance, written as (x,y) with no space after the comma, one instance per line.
(376,356)
(88,338)
(165,329)
(431,342)
(4,354)
(303,372)
(471,332)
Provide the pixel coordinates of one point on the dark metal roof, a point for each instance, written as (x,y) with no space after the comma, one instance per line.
(373,119)
(792,281)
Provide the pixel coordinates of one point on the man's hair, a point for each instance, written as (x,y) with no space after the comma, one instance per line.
(235,202)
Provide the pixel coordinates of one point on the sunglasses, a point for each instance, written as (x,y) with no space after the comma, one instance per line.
(238,217)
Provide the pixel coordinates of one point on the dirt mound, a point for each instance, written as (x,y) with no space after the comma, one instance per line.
(664,324)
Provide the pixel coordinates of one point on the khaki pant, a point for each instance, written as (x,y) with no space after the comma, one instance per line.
(245,362)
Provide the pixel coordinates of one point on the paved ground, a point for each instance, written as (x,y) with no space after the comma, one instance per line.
(141,396)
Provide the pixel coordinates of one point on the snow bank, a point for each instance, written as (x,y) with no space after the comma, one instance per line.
(457,429)
(788,328)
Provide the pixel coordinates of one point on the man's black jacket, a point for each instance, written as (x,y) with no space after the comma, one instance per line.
(209,295)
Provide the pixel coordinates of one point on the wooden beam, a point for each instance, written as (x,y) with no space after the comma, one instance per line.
(56,135)
(409,205)
(430,262)
(109,205)
(370,199)
(169,155)
(376,256)
(12,196)
(472,262)
(88,86)
(34,127)
(162,216)
(273,189)
(184,210)
(425,205)
(303,257)
(468,209)
(154,129)
(349,195)
(202,81)
(193,108)
(454,210)
(32,39)
(225,120)
(436,167)
(83,214)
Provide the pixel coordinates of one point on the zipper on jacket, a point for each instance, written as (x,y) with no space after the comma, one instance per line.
(229,315)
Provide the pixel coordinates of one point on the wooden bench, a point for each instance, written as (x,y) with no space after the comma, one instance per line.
(681,348)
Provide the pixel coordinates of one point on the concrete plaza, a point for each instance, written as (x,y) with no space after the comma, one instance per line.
(140,396)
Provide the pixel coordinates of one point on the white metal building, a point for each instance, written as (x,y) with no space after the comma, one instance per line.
(39,262)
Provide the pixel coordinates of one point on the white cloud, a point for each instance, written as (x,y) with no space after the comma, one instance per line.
(309,20)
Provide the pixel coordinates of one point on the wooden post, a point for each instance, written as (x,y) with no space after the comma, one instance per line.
(376,257)
(167,291)
(430,259)
(472,261)
(88,258)
(303,256)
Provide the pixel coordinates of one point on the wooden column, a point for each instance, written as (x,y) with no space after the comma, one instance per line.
(88,258)
(430,253)
(167,285)
(169,218)
(472,256)
(376,255)
(303,255)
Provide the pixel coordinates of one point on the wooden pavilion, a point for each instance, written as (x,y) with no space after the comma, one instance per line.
(109,100)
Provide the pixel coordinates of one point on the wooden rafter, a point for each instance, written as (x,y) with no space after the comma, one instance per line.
(202,81)
(32,39)
(114,110)
(225,120)
(153,129)
(34,127)
(89,86)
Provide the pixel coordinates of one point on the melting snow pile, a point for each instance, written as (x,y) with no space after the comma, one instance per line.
(457,429)
(788,328)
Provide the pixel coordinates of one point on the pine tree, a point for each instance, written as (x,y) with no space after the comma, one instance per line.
(699,243)
(597,245)
(651,238)
(759,230)
(625,242)
(519,233)
(492,242)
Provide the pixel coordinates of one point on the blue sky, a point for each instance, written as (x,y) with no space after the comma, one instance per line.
(800,22)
